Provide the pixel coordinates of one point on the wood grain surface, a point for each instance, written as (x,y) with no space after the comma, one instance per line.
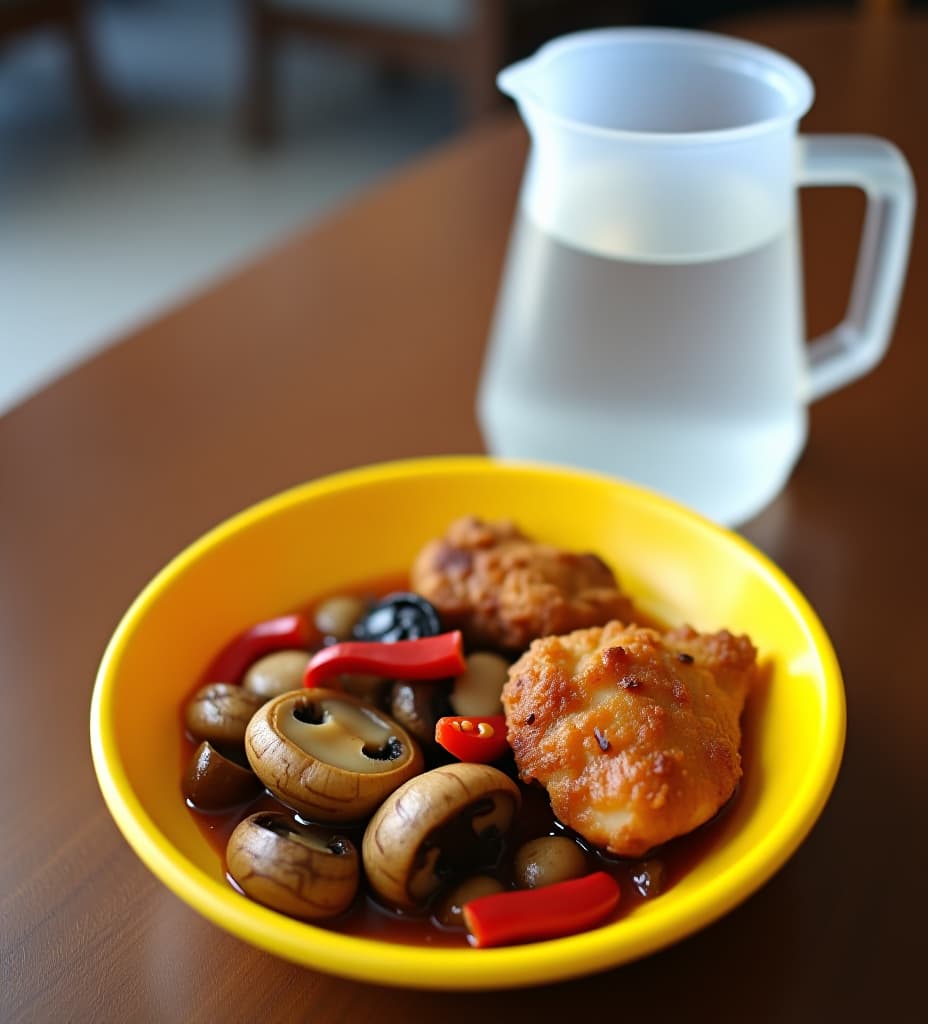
(361,340)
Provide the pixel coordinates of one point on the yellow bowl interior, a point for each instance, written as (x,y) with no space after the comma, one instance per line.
(368,524)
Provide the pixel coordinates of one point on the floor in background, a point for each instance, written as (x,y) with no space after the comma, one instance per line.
(96,239)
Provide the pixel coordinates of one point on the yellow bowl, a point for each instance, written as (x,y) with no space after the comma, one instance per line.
(367,524)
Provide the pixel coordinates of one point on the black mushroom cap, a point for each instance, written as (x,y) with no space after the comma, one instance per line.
(399,616)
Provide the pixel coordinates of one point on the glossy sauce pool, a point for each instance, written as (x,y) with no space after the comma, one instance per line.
(368,918)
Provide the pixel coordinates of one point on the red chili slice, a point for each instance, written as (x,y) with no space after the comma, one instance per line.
(273,635)
(430,657)
(546,913)
(478,738)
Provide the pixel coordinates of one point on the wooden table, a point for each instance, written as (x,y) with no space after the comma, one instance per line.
(361,340)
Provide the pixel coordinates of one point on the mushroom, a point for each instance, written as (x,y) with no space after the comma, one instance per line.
(220,712)
(213,782)
(450,911)
(276,673)
(546,860)
(418,706)
(478,690)
(336,616)
(439,825)
(327,755)
(367,688)
(300,870)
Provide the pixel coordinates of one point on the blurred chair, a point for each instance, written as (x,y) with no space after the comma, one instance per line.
(463,38)
(21,17)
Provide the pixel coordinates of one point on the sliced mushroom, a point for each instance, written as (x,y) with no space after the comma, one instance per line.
(327,755)
(300,870)
(440,825)
(220,712)
(276,673)
(478,690)
(213,782)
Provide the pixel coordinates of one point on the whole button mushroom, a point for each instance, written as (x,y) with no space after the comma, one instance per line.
(547,860)
(444,823)
(327,755)
(300,870)
(213,782)
(276,673)
(449,911)
(337,616)
(220,712)
(418,706)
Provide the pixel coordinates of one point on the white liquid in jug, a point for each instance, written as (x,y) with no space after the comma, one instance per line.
(682,376)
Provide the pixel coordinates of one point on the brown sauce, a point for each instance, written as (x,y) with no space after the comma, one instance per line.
(370,919)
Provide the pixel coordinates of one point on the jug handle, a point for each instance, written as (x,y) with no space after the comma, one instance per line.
(874,165)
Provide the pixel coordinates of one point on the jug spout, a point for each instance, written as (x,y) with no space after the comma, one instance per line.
(515,80)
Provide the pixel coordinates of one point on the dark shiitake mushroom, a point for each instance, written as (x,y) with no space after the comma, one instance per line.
(213,782)
(276,673)
(327,755)
(439,825)
(300,870)
(220,712)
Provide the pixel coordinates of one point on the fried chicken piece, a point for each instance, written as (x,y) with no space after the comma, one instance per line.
(635,735)
(503,590)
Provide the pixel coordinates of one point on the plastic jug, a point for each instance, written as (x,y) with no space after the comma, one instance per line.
(650,317)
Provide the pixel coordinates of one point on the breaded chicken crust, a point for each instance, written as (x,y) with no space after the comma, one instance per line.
(634,735)
(503,590)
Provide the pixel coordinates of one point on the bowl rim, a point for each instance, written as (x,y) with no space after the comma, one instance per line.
(416,966)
